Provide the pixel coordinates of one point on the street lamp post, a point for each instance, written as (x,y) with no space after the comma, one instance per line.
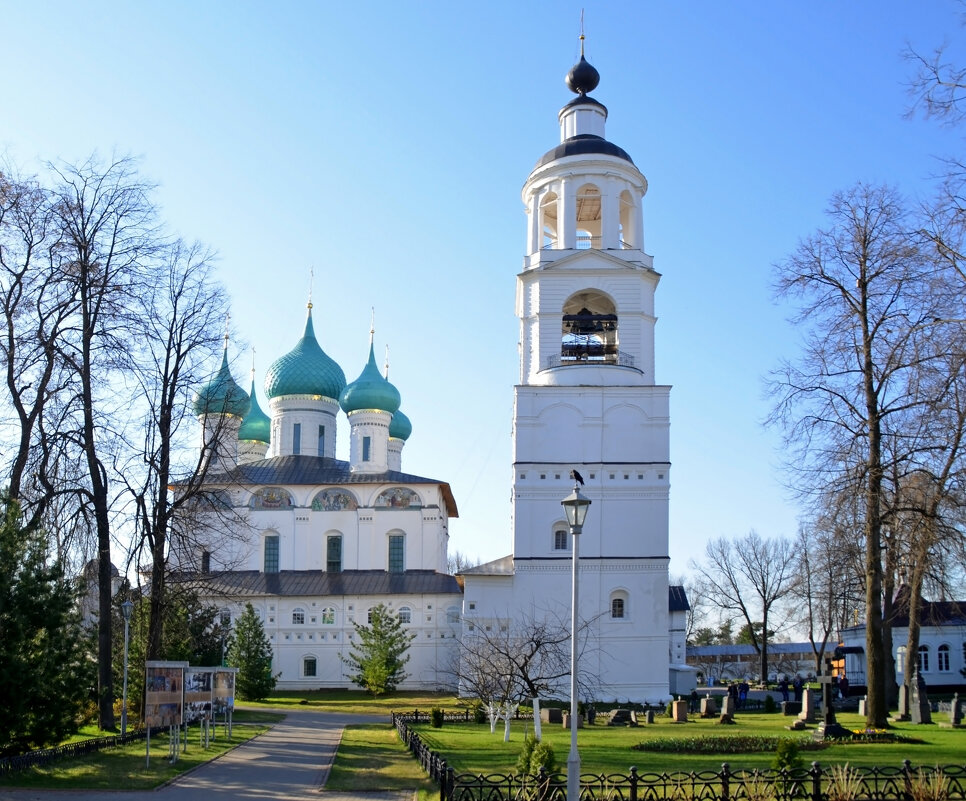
(575,505)
(126,608)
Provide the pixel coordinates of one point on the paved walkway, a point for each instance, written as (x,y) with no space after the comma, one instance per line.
(290,761)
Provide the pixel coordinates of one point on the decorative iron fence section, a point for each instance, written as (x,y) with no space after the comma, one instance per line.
(815,783)
(44,756)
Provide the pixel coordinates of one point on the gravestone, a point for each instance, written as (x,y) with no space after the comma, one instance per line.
(863,701)
(921,712)
(955,715)
(679,711)
(902,713)
(727,710)
(709,707)
(620,717)
(808,706)
(566,721)
(829,728)
(649,716)
(551,715)
(791,707)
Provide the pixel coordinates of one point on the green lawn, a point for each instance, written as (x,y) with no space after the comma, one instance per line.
(372,758)
(357,702)
(605,749)
(124,768)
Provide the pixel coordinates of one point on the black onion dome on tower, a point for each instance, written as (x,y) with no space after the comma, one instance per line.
(583,77)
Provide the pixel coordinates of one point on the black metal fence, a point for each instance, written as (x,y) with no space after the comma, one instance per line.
(815,783)
(44,756)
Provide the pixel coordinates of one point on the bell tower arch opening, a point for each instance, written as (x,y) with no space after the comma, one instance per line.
(588,217)
(589,328)
(549,230)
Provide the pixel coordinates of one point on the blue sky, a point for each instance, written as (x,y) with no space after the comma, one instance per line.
(385,144)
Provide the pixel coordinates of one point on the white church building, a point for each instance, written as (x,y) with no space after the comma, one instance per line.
(317,542)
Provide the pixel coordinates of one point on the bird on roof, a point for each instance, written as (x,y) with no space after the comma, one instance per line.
(577,477)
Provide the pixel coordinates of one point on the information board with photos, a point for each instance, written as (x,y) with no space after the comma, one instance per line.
(164,693)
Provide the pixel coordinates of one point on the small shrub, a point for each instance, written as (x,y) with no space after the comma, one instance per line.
(479,713)
(669,710)
(786,755)
(770,705)
(436,717)
(535,756)
(758,788)
(543,757)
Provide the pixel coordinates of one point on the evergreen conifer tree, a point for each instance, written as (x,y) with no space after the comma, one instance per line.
(378,655)
(42,685)
(250,651)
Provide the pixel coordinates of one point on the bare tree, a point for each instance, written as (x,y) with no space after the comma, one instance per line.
(866,293)
(106,231)
(523,656)
(824,589)
(182,310)
(747,578)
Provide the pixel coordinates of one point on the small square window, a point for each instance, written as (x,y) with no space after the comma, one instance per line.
(523,475)
(556,475)
(472,605)
(626,476)
(640,476)
(660,476)
(593,475)
(611,475)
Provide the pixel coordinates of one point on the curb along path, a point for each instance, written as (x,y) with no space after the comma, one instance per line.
(290,761)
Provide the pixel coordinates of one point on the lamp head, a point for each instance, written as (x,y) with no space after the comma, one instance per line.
(576,505)
(126,608)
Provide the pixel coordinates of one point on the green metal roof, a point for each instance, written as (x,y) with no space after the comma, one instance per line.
(370,390)
(256,426)
(222,395)
(399,426)
(305,370)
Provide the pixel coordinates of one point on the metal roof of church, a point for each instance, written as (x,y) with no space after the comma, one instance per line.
(320,582)
(320,470)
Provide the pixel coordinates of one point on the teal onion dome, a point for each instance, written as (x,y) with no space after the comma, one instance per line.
(305,370)
(222,395)
(256,425)
(400,427)
(370,391)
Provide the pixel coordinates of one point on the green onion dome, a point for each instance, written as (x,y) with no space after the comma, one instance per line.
(400,427)
(256,425)
(370,391)
(222,395)
(305,370)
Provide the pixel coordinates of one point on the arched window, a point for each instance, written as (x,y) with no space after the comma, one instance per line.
(397,553)
(309,667)
(561,540)
(369,616)
(923,660)
(618,605)
(589,330)
(272,498)
(271,553)
(298,616)
(405,614)
(452,614)
(942,658)
(328,616)
(333,553)
(901,659)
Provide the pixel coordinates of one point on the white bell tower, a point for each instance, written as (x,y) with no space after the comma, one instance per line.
(588,399)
